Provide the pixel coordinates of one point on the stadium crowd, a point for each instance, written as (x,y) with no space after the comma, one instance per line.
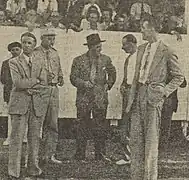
(102,15)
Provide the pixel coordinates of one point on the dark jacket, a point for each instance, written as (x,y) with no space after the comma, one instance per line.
(6,80)
(105,75)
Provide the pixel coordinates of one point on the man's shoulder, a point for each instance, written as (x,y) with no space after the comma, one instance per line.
(81,57)
(14,60)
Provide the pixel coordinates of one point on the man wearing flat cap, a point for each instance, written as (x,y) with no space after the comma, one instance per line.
(50,57)
(15,49)
(93,75)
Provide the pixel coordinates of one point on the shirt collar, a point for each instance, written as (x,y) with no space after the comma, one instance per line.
(26,58)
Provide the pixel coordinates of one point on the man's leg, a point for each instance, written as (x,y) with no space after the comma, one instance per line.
(83,118)
(100,130)
(152,124)
(34,128)
(166,117)
(19,123)
(51,124)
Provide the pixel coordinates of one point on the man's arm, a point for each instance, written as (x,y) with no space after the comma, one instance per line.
(75,76)
(175,72)
(18,81)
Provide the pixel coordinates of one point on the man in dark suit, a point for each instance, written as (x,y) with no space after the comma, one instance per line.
(72,13)
(154,64)
(93,75)
(169,107)
(15,50)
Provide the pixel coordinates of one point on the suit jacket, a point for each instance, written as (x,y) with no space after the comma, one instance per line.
(164,65)
(6,80)
(105,75)
(54,61)
(26,90)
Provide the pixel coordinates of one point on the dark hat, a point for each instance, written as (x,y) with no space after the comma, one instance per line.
(14,44)
(93,39)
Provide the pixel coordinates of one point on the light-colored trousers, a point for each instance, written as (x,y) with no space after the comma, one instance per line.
(19,124)
(144,137)
(50,125)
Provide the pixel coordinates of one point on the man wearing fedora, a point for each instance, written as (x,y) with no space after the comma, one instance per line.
(50,57)
(93,75)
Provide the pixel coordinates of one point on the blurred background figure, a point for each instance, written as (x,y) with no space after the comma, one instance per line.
(55,21)
(106,19)
(138,11)
(31,20)
(120,24)
(15,49)
(88,5)
(15,11)
(91,22)
(31,4)
(46,5)
(71,11)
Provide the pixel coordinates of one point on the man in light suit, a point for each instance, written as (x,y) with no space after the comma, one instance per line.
(93,75)
(155,62)
(28,106)
(51,59)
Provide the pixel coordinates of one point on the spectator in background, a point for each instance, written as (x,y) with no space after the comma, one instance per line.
(3,21)
(72,14)
(106,19)
(91,22)
(87,6)
(46,6)
(119,25)
(113,8)
(179,20)
(138,10)
(15,11)
(31,20)
(31,4)
(55,21)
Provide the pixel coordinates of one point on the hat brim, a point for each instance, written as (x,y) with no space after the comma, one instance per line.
(85,44)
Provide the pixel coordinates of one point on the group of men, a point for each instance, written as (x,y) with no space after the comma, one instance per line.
(34,99)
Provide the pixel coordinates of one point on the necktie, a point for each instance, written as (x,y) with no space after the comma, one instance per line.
(93,71)
(30,65)
(146,62)
(125,68)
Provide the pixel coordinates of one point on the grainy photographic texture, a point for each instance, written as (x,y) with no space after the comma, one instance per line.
(94,89)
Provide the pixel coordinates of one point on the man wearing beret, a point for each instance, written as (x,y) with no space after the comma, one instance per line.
(93,75)
(50,57)
(15,49)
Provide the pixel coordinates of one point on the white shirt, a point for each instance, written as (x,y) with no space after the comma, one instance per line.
(42,6)
(14,7)
(144,73)
(27,58)
(87,6)
(131,68)
(136,10)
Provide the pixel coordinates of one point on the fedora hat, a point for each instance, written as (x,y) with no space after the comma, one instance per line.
(93,39)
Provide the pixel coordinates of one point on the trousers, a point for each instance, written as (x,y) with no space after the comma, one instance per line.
(50,125)
(98,125)
(19,124)
(144,137)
